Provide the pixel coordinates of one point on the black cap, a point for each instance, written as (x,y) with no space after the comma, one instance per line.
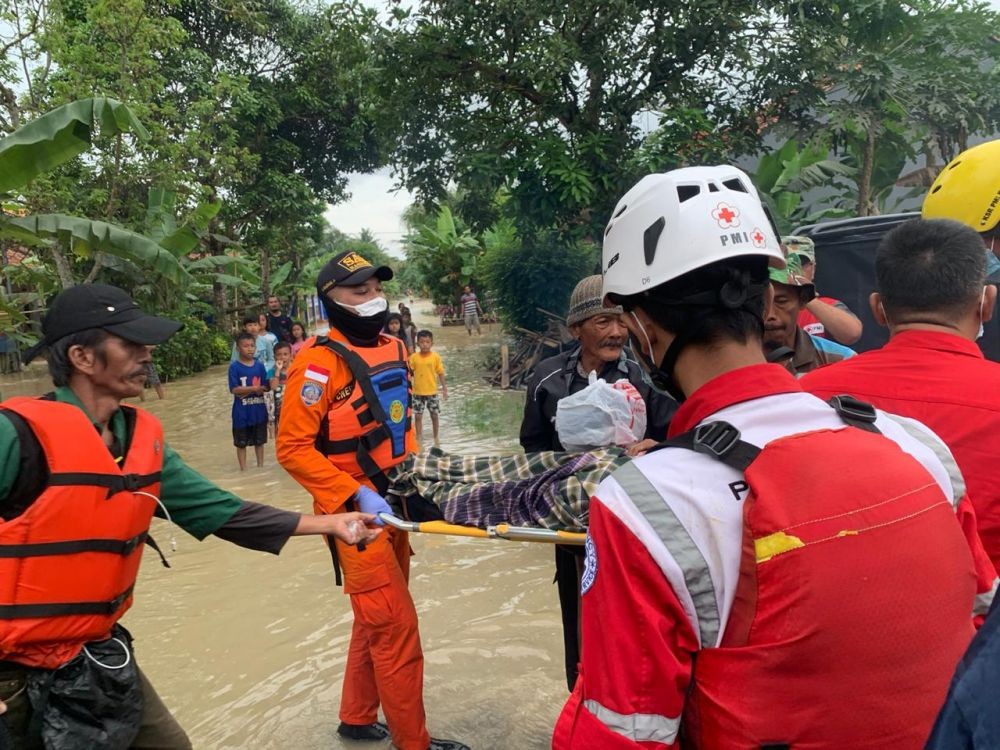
(81,308)
(349,269)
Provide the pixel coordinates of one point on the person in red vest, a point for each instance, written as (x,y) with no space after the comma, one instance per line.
(81,476)
(345,422)
(932,294)
(738,591)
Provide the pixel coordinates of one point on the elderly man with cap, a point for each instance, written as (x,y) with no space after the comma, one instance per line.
(822,317)
(345,421)
(785,342)
(602,337)
(81,476)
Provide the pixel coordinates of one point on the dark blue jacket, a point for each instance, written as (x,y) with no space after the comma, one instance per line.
(970,717)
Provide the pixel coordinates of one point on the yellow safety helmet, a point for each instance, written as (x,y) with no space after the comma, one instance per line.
(968,189)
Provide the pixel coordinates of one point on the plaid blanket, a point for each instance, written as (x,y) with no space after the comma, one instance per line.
(550,490)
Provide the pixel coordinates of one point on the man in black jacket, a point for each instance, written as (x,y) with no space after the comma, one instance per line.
(602,337)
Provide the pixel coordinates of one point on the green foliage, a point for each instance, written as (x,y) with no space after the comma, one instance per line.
(58,136)
(446,255)
(540,272)
(551,100)
(192,349)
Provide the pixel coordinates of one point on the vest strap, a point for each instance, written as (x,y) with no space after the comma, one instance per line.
(855,412)
(720,440)
(50,549)
(19,611)
(114,482)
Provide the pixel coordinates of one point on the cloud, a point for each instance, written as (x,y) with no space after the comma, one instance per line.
(373,205)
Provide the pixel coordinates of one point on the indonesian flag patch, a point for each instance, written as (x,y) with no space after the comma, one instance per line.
(319,374)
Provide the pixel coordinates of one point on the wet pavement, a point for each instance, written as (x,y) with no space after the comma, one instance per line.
(248,649)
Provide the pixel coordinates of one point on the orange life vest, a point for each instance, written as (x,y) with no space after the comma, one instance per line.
(804,661)
(69,561)
(369,431)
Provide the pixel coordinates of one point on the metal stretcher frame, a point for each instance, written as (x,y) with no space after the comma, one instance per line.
(500,531)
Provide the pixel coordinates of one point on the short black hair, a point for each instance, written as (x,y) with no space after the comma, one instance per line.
(282,345)
(275,296)
(930,265)
(691,301)
(245,337)
(425,334)
(60,368)
(251,319)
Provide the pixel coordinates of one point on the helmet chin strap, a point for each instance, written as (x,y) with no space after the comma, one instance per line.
(661,375)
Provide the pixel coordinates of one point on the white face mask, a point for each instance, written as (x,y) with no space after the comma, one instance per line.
(374,306)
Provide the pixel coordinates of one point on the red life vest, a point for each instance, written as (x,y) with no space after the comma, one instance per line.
(369,431)
(827,645)
(69,561)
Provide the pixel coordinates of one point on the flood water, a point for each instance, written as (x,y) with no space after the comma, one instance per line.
(248,649)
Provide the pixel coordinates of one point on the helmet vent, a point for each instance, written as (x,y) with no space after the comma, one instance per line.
(954,164)
(651,238)
(736,185)
(935,188)
(687,192)
(619,212)
(713,188)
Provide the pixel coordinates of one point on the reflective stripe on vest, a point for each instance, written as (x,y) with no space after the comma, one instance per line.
(697,576)
(637,727)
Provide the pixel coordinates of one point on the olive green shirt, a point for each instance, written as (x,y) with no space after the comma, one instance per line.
(195,504)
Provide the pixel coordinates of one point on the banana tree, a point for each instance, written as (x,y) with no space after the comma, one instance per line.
(51,140)
(783,176)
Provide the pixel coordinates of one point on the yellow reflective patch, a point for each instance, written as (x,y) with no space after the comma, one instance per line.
(775,544)
(848,532)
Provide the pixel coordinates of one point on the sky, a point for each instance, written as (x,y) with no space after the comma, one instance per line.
(373,205)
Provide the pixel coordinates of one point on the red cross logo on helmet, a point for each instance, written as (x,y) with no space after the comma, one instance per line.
(757,238)
(726,216)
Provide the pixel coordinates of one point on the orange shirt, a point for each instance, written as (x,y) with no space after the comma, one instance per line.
(307,400)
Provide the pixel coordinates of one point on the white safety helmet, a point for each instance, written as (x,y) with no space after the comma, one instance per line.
(670,224)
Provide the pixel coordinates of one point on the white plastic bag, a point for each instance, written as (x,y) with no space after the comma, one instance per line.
(601,415)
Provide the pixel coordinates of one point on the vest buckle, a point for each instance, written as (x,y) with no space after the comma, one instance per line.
(715,438)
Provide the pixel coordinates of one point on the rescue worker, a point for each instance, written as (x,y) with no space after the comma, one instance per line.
(932,295)
(821,317)
(968,191)
(81,476)
(345,420)
(602,336)
(785,342)
(738,593)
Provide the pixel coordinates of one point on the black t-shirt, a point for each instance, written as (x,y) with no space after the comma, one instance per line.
(281,326)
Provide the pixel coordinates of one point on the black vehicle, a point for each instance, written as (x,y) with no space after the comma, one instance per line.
(845,270)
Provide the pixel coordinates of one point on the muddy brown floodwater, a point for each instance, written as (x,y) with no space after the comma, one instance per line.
(248,649)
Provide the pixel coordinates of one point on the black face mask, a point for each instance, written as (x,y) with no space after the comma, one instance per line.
(359,331)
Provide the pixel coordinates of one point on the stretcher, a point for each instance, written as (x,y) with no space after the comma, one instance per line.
(500,531)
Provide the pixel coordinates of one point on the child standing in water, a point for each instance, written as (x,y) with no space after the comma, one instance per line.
(298,337)
(428,370)
(248,383)
(282,360)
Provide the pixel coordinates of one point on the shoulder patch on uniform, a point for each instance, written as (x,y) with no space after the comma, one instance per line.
(311,393)
(589,566)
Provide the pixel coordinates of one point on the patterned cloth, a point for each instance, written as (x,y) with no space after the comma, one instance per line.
(547,489)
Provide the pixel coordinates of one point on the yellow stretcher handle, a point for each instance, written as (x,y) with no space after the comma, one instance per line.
(500,531)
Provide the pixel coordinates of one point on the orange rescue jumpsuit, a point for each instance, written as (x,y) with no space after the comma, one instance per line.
(384,661)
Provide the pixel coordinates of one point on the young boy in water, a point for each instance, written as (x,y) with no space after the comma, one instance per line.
(248,383)
(282,359)
(263,349)
(428,370)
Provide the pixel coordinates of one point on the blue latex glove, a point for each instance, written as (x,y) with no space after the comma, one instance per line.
(369,501)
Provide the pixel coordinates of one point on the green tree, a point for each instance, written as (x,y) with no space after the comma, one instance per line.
(551,100)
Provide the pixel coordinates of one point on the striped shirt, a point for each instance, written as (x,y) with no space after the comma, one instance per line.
(470,304)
